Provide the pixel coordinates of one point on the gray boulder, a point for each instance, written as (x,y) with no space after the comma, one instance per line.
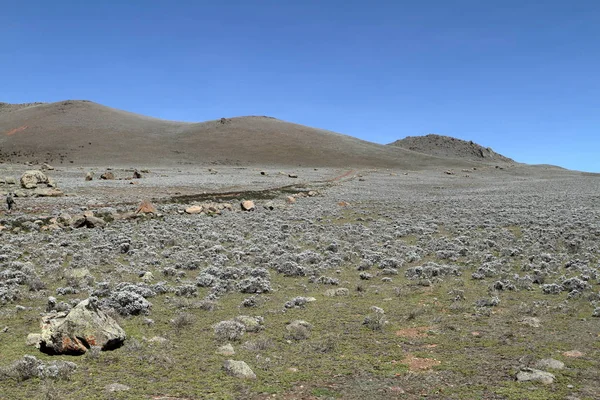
(238,369)
(75,332)
(535,375)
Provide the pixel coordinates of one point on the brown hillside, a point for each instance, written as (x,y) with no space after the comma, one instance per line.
(88,133)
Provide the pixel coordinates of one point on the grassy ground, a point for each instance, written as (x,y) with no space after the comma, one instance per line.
(433,345)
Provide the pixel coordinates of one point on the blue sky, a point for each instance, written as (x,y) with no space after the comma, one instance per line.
(522,77)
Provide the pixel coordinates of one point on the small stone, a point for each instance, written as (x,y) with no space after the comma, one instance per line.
(535,375)
(226,350)
(248,205)
(550,363)
(573,354)
(290,199)
(116,387)
(531,321)
(194,210)
(146,208)
(238,369)
(292,176)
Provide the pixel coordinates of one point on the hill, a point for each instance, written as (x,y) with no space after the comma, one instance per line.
(446,146)
(87,133)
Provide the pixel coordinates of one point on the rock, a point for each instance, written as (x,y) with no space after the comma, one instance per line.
(47,167)
(292,176)
(21,193)
(535,375)
(238,369)
(251,324)
(339,292)
(573,354)
(449,172)
(147,277)
(48,192)
(226,350)
(263,172)
(33,339)
(84,326)
(297,324)
(290,199)
(343,204)
(146,208)
(107,176)
(312,193)
(137,174)
(78,221)
(94,222)
(89,176)
(116,387)
(248,205)
(531,321)
(550,363)
(88,220)
(30,179)
(193,210)
(10,180)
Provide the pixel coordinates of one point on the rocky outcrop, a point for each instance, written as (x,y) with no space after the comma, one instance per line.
(75,332)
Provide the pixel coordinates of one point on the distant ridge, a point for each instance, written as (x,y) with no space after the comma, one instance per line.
(449,147)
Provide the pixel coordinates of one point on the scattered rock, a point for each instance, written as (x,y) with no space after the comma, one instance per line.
(238,369)
(109,176)
(550,363)
(89,176)
(116,387)
(290,199)
(535,375)
(573,354)
(137,174)
(248,205)
(226,350)
(194,210)
(533,322)
(292,176)
(146,208)
(339,292)
(48,192)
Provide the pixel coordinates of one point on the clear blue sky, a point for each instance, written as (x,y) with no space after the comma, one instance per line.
(522,77)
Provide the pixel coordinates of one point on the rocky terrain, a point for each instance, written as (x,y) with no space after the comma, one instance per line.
(446,146)
(455,281)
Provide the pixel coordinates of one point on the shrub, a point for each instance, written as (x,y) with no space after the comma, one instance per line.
(229,330)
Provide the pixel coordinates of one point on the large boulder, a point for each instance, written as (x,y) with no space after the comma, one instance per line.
(30,179)
(75,332)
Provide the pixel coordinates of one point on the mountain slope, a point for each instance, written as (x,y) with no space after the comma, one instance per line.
(88,133)
(446,146)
